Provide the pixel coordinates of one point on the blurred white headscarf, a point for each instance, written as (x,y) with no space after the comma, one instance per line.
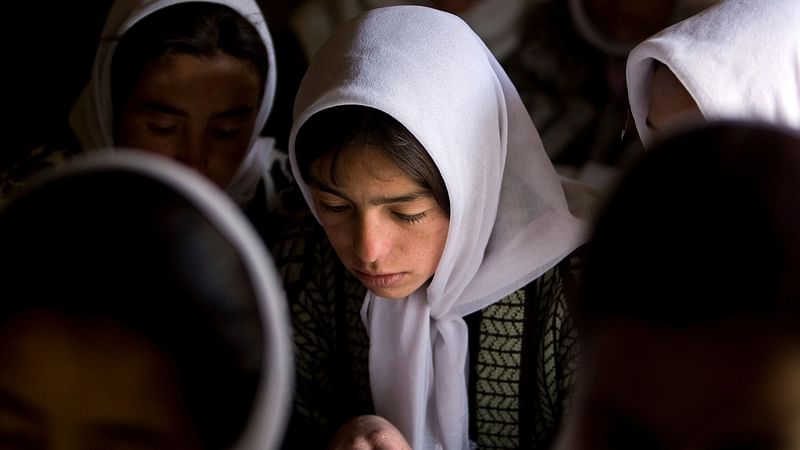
(268,417)
(92,117)
(510,219)
(738,60)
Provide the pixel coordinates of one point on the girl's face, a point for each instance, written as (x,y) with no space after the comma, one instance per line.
(200,111)
(670,102)
(386,229)
(729,385)
(68,383)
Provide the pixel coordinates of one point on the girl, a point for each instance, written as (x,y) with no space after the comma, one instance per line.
(739,59)
(417,157)
(688,321)
(191,80)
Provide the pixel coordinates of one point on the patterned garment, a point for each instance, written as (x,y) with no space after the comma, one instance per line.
(522,350)
(38,159)
(276,203)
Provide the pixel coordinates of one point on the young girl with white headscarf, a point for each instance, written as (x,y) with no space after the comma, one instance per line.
(461,336)
(192,80)
(737,60)
(93,117)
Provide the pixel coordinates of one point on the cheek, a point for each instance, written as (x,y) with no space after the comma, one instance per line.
(339,233)
(225,158)
(435,239)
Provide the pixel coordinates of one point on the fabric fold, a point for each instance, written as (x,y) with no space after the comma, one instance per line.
(739,59)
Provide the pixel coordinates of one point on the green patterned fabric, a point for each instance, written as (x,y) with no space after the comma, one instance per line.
(38,159)
(522,352)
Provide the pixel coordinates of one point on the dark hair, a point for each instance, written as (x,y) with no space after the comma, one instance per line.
(331,130)
(705,227)
(193,28)
(119,246)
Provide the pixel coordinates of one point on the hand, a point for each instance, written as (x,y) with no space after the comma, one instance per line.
(369,433)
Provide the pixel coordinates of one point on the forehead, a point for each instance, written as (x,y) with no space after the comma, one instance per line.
(355,164)
(44,351)
(93,379)
(709,386)
(219,78)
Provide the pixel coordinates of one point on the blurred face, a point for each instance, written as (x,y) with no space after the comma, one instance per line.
(454,6)
(200,111)
(670,103)
(629,21)
(87,385)
(730,386)
(386,229)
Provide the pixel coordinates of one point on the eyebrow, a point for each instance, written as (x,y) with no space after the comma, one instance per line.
(162,108)
(15,405)
(375,201)
(233,113)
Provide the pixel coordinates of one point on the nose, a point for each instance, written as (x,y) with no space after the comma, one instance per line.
(193,150)
(372,239)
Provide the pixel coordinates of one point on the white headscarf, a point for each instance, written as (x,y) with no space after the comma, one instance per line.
(268,418)
(739,60)
(92,116)
(509,217)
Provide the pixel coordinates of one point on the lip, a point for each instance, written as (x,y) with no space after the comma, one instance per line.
(380,280)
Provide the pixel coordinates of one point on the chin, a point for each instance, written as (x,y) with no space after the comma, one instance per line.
(392,294)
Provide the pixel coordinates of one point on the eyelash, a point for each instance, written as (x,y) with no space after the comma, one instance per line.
(408,218)
(412,218)
(224,134)
(335,209)
(162,130)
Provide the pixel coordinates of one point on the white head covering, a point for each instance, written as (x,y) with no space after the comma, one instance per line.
(509,218)
(268,418)
(739,60)
(92,116)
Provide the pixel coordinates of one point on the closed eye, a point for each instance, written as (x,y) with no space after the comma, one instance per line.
(223,134)
(163,130)
(336,209)
(410,218)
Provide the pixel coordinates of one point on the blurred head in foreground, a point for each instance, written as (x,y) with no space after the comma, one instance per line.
(139,311)
(691,306)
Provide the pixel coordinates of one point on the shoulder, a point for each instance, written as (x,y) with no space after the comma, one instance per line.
(298,246)
(31,162)
(309,267)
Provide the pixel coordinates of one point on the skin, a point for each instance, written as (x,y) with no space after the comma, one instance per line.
(732,385)
(369,433)
(69,384)
(629,20)
(670,103)
(454,6)
(200,111)
(387,230)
